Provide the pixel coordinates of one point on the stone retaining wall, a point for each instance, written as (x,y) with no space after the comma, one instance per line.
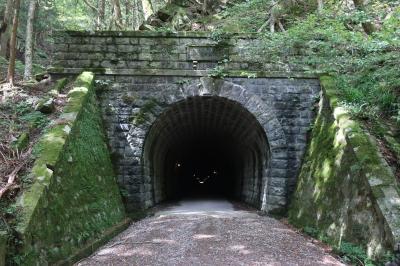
(74,197)
(346,191)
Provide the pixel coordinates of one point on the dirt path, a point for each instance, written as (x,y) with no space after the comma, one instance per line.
(209,233)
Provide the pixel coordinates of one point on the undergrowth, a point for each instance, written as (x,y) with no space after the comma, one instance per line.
(19,68)
(365,67)
(349,253)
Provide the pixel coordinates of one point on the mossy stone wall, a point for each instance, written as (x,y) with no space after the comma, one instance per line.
(74,198)
(345,189)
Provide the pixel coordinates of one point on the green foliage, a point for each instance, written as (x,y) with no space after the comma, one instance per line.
(350,253)
(221,37)
(22,142)
(353,254)
(365,67)
(217,72)
(311,231)
(244,16)
(19,68)
(33,118)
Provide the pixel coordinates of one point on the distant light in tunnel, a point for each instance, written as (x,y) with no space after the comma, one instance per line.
(201,180)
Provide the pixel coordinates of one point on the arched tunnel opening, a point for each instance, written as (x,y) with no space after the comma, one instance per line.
(206,146)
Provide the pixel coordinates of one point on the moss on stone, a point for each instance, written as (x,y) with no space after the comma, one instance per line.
(50,145)
(55,69)
(60,84)
(141,117)
(128,99)
(74,197)
(343,184)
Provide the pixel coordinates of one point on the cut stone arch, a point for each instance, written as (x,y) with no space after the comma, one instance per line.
(273,170)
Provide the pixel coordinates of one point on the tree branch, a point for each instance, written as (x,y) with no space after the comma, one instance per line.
(91,6)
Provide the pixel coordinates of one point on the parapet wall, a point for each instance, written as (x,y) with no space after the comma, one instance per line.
(151,53)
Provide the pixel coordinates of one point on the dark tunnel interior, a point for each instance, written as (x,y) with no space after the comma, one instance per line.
(205,168)
(206,147)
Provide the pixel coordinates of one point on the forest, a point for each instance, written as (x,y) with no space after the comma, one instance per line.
(360,38)
(356,42)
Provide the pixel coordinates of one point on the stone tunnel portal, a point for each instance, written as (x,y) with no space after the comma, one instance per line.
(207,146)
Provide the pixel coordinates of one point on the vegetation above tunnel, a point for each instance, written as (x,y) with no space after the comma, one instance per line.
(358,42)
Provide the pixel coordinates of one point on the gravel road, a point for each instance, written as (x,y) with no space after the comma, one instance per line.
(211,232)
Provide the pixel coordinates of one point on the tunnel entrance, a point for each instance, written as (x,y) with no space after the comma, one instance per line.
(206,146)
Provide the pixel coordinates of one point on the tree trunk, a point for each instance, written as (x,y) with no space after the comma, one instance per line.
(118,14)
(94,9)
(5,29)
(368,27)
(138,14)
(102,10)
(205,7)
(29,40)
(320,6)
(13,44)
(128,9)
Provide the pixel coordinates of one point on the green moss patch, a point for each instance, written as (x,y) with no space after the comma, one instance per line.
(74,198)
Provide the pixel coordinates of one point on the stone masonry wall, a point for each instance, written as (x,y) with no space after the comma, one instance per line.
(135,68)
(292,103)
(135,53)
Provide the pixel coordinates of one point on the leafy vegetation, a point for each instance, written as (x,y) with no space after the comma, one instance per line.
(364,66)
(333,42)
(349,253)
(218,72)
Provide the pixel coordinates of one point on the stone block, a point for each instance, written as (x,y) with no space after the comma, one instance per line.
(205,53)
(123,48)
